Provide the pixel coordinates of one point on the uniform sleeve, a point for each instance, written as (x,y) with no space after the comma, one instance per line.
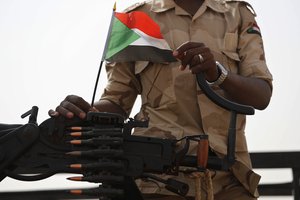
(250,47)
(123,86)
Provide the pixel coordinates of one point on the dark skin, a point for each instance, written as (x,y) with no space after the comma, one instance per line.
(190,6)
(255,92)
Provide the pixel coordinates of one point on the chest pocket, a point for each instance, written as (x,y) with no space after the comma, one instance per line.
(230,45)
(157,83)
(229,51)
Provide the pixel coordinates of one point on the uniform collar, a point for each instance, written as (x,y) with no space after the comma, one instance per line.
(164,5)
(217,5)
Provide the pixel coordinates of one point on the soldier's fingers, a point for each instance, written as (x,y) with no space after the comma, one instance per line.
(204,67)
(78,102)
(69,109)
(53,113)
(188,57)
(179,52)
(196,60)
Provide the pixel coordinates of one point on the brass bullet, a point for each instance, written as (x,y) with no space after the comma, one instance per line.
(76,166)
(77,192)
(76,142)
(79,128)
(75,178)
(76,134)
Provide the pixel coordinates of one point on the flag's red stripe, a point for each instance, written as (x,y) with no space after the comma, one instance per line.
(141,21)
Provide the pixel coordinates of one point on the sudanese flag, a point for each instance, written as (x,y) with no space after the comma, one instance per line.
(135,36)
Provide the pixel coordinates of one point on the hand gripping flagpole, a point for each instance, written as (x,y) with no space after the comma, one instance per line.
(104,54)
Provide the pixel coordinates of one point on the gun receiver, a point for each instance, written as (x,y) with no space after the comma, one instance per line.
(101,148)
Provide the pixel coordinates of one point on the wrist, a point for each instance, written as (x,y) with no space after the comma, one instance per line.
(223,73)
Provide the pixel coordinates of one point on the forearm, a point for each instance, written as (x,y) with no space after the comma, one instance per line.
(249,91)
(108,106)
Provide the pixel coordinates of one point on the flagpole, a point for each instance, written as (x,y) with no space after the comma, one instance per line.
(103,55)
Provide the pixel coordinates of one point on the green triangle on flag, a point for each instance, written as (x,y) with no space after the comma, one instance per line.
(121,36)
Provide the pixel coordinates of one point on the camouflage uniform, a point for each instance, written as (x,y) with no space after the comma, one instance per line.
(171,99)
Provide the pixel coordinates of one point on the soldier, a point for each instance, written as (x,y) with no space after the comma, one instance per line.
(200,32)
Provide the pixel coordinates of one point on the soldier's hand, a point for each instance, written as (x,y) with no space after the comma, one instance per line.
(72,106)
(198,58)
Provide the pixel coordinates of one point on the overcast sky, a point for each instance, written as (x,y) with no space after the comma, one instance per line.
(52,48)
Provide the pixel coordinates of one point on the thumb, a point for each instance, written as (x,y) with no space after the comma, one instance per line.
(53,113)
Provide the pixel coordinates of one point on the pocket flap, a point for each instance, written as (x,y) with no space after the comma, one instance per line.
(140,66)
(232,55)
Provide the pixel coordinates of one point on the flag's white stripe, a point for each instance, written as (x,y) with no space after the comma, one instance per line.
(146,40)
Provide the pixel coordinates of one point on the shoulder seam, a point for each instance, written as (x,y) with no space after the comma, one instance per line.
(134,6)
(248,5)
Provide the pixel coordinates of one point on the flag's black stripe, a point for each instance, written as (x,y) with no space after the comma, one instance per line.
(143,53)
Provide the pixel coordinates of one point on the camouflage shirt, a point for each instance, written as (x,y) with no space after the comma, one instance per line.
(171,99)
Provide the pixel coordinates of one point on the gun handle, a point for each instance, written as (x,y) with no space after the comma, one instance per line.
(202,153)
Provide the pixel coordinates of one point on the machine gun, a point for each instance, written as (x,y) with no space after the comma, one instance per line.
(102,149)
